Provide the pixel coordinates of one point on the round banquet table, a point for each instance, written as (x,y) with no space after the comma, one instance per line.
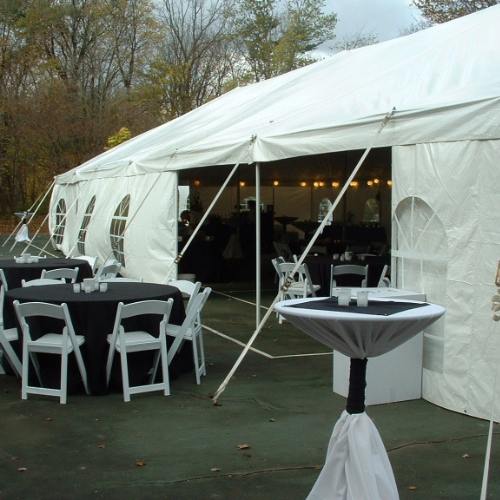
(93,316)
(357,465)
(16,271)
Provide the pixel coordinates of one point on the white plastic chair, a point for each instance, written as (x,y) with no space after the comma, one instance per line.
(109,269)
(189,289)
(300,286)
(348,269)
(9,335)
(61,342)
(134,341)
(42,282)
(64,273)
(191,330)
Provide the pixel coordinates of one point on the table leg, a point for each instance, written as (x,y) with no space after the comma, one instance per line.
(357,384)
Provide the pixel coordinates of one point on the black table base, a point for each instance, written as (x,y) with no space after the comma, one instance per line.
(357,386)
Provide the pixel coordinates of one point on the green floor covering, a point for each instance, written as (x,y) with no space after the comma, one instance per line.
(266,440)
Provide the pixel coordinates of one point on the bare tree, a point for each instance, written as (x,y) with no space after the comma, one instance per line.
(355,40)
(192,62)
(440,11)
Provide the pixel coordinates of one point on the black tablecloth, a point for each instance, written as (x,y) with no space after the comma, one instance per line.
(15,272)
(93,317)
(377,307)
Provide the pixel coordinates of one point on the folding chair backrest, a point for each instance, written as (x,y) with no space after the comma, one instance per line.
(67,274)
(109,269)
(189,289)
(349,269)
(193,314)
(301,275)
(42,281)
(55,311)
(160,307)
(4,287)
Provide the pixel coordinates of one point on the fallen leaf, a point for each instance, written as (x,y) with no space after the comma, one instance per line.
(243,446)
(102,446)
(48,419)
(140,464)
(412,488)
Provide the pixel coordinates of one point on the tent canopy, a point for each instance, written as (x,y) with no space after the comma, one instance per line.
(443,82)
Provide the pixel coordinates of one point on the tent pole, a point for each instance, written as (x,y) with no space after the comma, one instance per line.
(209,209)
(289,280)
(257,244)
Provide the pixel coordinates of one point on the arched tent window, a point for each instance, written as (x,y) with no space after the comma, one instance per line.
(82,235)
(420,263)
(60,222)
(117,229)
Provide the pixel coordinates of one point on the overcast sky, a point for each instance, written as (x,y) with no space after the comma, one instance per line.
(383,18)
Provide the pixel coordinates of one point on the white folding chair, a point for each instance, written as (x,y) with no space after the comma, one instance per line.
(61,342)
(109,269)
(69,275)
(43,281)
(7,336)
(348,269)
(191,330)
(126,342)
(300,285)
(188,288)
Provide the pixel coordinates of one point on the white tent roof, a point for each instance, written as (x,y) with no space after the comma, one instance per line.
(444,83)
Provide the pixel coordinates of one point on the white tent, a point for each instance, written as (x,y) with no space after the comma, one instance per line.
(444,84)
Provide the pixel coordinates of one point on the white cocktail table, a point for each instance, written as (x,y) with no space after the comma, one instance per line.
(357,466)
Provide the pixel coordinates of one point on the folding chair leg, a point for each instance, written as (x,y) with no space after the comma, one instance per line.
(125,381)
(64,378)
